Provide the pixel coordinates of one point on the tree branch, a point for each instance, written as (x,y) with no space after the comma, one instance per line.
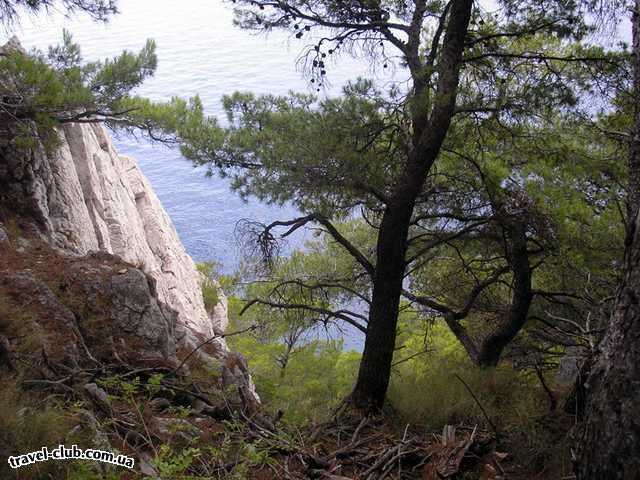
(344,315)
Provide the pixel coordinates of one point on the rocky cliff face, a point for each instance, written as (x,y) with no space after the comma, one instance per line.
(103,327)
(85,197)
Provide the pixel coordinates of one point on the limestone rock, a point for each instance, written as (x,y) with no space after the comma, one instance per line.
(82,197)
(12,46)
(146,466)
(97,395)
(94,206)
(135,309)
(79,312)
(95,315)
(85,197)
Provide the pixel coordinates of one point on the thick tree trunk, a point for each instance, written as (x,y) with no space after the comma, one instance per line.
(609,446)
(634,154)
(375,367)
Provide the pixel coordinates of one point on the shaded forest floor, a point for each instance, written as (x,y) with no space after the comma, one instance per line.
(375,448)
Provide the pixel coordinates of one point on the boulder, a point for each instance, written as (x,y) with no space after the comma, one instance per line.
(12,46)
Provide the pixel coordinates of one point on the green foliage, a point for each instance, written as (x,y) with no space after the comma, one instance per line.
(173,464)
(299,149)
(316,378)
(13,228)
(123,387)
(425,389)
(229,452)
(290,148)
(154,383)
(296,371)
(177,121)
(27,426)
(519,126)
(209,285)
(311,288)
(90,84)
(113,79)
(564,181)
(47,90)
(99,10)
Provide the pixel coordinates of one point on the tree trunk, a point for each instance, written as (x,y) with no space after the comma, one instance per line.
(486,352)
(375,367)
(609,445)
(495,342)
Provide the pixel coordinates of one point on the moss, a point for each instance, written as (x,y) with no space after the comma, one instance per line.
(13,228)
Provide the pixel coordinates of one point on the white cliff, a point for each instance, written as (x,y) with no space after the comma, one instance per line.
(85,200)
(90,198)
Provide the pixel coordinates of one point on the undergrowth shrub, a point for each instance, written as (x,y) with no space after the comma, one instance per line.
(316,378)
(27,425)
(209,286)
(428,390)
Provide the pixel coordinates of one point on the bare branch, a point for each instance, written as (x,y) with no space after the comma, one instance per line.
(344,315)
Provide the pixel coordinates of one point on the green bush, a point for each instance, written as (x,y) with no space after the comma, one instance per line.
(427,389)
(58,87)
(316,378)
(210,294)
(27,426)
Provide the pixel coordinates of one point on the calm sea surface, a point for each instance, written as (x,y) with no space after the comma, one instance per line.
(199,52)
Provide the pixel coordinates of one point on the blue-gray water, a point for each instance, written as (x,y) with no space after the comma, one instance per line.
(199,52)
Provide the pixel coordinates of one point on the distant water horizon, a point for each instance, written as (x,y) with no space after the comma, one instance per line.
(201,52)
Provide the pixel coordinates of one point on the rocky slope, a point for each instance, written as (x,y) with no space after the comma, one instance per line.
(85,197)
(82,198)
(105,340)
(86,346)
(101,312)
